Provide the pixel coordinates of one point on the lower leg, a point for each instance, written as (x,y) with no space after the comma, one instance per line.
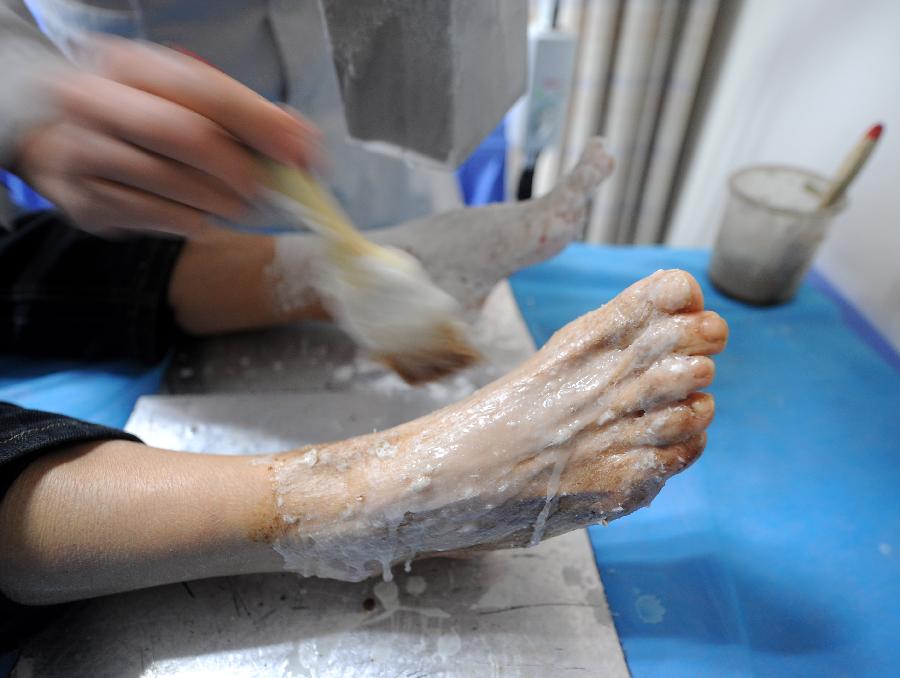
(112,516)
(230,281)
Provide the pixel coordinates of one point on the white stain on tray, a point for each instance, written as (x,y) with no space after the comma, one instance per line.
(649,609)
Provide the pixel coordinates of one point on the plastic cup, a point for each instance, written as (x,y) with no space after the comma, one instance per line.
(770,233)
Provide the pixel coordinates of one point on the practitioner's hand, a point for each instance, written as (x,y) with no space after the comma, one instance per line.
(153,140)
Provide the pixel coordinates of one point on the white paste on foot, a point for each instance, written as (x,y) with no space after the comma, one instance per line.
(468,474)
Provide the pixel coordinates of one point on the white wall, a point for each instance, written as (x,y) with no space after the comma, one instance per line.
(800,81)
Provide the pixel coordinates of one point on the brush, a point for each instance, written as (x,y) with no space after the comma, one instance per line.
(380,295)
(851,166)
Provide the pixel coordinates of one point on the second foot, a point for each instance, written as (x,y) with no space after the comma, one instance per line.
(467,251)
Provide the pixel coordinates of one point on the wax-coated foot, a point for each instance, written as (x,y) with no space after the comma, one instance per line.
(587,430)
(467,251)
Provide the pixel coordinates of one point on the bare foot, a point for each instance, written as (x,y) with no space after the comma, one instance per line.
(586,431)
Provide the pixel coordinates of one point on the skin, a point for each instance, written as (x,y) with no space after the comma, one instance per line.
(221,285)
(114,516)
(152,140)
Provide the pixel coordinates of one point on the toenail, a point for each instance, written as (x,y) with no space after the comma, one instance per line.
(702,407)
(703,367)
(712,328)
(672,291)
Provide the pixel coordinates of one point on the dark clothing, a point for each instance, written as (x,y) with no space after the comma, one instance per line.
(26,433)
(68,294)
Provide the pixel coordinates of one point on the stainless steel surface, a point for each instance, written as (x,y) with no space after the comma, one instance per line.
(533,612)
(537,612)
(317,357)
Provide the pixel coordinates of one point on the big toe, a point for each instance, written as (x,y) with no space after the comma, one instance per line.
(674,291)
(594,165)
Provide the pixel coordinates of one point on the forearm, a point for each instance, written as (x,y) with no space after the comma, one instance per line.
(112,516)
(67,293)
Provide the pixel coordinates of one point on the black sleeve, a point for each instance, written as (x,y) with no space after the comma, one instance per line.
(67,293)
(25,434)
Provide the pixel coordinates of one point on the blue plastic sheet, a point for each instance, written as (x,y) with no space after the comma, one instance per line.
(778,553)
(101,392)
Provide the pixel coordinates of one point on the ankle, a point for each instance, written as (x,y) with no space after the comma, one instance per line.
(240,281)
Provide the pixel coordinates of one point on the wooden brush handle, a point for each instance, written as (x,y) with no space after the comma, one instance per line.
(330,220)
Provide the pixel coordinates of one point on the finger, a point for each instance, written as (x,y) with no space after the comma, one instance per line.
(114,205)
(211,93)
(105,157)
(160,126)
(315,154)
(69,196)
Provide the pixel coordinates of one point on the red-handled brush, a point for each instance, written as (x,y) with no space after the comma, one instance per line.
(851,166)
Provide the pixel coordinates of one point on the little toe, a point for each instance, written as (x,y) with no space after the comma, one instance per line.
(675,458)
(704,333)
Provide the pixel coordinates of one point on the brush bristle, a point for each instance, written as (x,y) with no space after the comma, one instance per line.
(447,352)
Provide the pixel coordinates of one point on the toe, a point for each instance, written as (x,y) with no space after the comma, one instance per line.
(675,458)
(673,423)
(703,334)
(668,380)
(628,315)
(675,291)
(613,484)
(594,165)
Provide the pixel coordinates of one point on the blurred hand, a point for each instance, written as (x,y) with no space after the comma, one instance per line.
(153,140)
